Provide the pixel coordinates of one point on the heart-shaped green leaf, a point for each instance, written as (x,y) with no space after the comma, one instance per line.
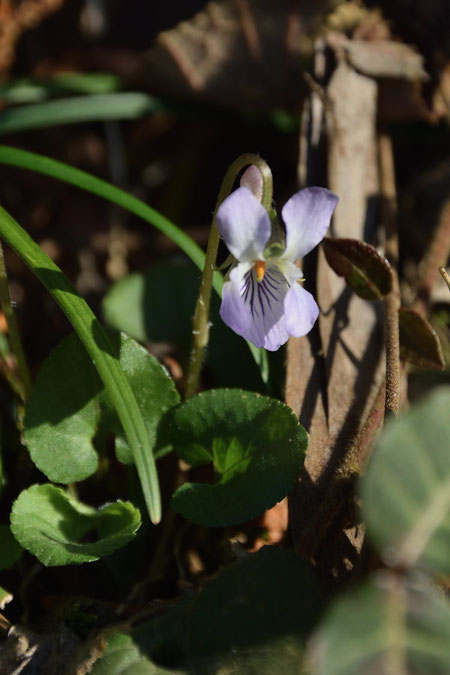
(419,343)
(52,525)
(68,404)
(250,609)
(386,626)
(363,268)
(256,446)
(62,414)
(406,489)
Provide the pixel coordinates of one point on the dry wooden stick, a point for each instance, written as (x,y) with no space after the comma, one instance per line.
(445,276)
(436,256)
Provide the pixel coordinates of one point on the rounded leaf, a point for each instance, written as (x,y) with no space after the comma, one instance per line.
(62,414)
(68,404)
(256,446)
(52,525)
(406,489)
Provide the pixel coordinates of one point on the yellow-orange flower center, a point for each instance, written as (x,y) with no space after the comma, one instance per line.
(260,268)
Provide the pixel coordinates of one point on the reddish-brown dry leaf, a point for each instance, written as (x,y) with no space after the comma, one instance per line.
(419,343)
(365,270)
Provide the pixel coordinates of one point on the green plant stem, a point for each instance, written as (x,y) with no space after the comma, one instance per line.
(13,332)
(201,317)
(99,348)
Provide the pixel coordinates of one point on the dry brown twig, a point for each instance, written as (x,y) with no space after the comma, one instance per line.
(15,19)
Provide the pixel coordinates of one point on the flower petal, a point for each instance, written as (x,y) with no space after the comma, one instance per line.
(307,216)
(244,224)
(301,311)
(256,310)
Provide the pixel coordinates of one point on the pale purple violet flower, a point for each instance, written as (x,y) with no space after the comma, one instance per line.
(262,298)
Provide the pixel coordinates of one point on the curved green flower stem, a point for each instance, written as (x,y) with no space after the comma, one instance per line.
(200,324)
(99,348)
(23,385)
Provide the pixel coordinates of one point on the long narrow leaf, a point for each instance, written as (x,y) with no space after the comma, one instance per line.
(85,181)
(99,348)
(31,90)
(114,106)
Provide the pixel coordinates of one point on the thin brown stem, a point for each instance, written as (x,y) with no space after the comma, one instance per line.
(392,301)
(392,342)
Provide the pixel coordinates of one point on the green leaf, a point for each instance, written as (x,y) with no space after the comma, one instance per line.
(123,657)
(249,611)
(51,524)
(10,550)
(68,404)
(363,268)
(387,626)
(99,348)
(62,414)
(32,90)
(154,390)
(255,444)
(406,489)
(120,105)
(419,343)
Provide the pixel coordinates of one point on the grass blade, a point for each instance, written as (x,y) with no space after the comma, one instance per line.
(85,181)
(99,348)
(76,109)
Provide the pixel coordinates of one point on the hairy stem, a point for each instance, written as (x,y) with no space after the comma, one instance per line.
(392,301)
(201,317)
(392,342)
